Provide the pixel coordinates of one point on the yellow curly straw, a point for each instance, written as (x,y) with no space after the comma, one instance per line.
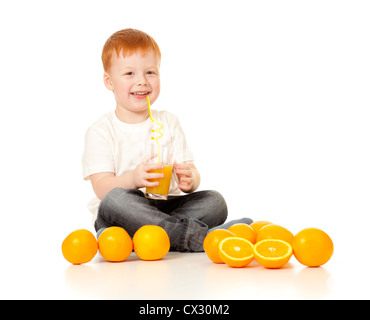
(158,130)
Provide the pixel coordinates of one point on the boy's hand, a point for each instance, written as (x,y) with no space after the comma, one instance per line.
(188,177)
(141,174)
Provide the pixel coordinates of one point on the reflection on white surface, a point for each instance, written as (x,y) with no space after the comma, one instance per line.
(179,276)
(193,276)
(312,283)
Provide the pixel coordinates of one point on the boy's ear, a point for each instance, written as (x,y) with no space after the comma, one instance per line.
(108,81)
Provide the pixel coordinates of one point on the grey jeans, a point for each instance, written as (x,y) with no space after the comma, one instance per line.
(186,218)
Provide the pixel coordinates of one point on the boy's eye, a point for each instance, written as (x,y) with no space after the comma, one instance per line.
(150,72)
(129,73)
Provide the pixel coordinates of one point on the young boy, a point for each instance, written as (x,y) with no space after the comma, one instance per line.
(114,159)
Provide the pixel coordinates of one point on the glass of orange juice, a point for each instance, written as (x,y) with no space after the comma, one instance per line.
(164,156)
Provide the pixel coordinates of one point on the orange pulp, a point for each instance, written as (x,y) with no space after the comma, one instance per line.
(164,183)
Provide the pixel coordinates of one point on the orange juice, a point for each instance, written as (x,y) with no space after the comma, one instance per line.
(164,183)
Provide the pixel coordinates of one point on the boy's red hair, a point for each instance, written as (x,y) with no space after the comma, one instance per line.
(127,42)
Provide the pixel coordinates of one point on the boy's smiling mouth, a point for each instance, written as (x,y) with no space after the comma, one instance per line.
(140,94)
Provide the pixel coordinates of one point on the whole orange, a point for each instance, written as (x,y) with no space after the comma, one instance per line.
(312,247)
(273,231)
(151,242)
(244,230)
(211,243)
(115,244)
(257,225)
(79,246)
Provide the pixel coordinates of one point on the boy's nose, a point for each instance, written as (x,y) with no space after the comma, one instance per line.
(142,81)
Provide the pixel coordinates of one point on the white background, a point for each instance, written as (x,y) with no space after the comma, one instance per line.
(273,97)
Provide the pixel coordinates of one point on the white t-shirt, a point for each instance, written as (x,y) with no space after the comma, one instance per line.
(115,146)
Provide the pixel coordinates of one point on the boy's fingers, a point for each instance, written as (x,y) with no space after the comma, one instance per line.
(149,157)
(154,166)
(181,166)
(158,175)
(184,186)
(186,172)
(151,184)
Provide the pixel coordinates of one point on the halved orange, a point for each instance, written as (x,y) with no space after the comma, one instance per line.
(212,241)
(236,252)
(272,253)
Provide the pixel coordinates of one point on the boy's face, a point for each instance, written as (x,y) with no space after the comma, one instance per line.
(131,79)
